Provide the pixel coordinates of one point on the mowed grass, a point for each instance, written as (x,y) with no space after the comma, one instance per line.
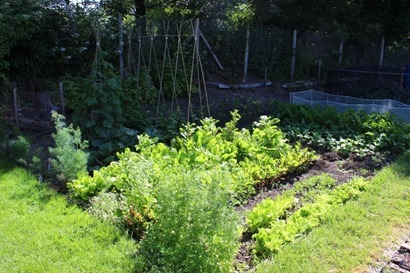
(355,235)
(41,232)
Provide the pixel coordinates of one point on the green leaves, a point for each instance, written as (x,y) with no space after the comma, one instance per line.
(345,133)
(274,225)
(68,157)
(178,199)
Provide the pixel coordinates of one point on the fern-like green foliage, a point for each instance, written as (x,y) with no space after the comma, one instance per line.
(68,156)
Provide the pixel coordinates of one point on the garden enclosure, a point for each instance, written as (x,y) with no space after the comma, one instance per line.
(169,59)
(344,103)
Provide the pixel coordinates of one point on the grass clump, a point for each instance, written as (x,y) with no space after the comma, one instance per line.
(41,232)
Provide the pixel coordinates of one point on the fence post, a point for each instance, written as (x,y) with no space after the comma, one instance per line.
(121,45)
(16,112)
(340,51)
(319,68)
(292,65)
(60,85)
(245,67)
(381,52)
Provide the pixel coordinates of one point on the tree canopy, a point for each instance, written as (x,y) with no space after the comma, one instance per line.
(49,37)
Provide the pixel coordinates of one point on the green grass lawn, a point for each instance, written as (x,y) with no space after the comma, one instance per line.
(41,232)
(354,235)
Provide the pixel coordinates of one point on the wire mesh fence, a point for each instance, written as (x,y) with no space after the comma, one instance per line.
(29,105)
(344,103)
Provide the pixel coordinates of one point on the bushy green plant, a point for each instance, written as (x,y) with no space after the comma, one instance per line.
(97,104)
(196,230)
(107,207)
(68,156)
(19,149)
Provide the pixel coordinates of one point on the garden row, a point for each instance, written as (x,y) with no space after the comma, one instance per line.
(178,200)
(175,199)
(279,221)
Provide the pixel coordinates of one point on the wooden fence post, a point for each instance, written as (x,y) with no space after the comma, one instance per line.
(381,52)
(292,65)
(16,112)
(245,66)
(121,45)
(61,89)
(341,51)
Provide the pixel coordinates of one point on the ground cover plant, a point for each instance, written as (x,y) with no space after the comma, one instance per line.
(41,232)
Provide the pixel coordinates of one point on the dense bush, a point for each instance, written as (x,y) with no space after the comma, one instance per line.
(195,230)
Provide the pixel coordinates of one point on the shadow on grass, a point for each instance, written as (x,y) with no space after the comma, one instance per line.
(402,165)
(6,164)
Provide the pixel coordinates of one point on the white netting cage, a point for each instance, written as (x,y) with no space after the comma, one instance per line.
(343,103)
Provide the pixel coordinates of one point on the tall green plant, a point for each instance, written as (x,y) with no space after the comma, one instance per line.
(97,103)
(196,230)
(68,156)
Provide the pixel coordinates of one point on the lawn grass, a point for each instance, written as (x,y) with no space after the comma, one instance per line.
(41,232)
(354,235)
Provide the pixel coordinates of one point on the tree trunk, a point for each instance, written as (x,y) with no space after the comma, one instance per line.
(140,12)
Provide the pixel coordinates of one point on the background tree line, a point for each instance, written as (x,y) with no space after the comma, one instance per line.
(49,38)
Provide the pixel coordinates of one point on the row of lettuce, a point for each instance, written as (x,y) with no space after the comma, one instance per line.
(178,200)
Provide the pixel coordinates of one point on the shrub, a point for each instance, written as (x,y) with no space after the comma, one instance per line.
(196,230)
(68,157)
(19,149)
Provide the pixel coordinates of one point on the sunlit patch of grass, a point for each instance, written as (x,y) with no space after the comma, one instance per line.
(353,235)
(41,232)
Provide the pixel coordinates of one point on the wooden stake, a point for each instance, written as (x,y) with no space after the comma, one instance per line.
(210,50)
